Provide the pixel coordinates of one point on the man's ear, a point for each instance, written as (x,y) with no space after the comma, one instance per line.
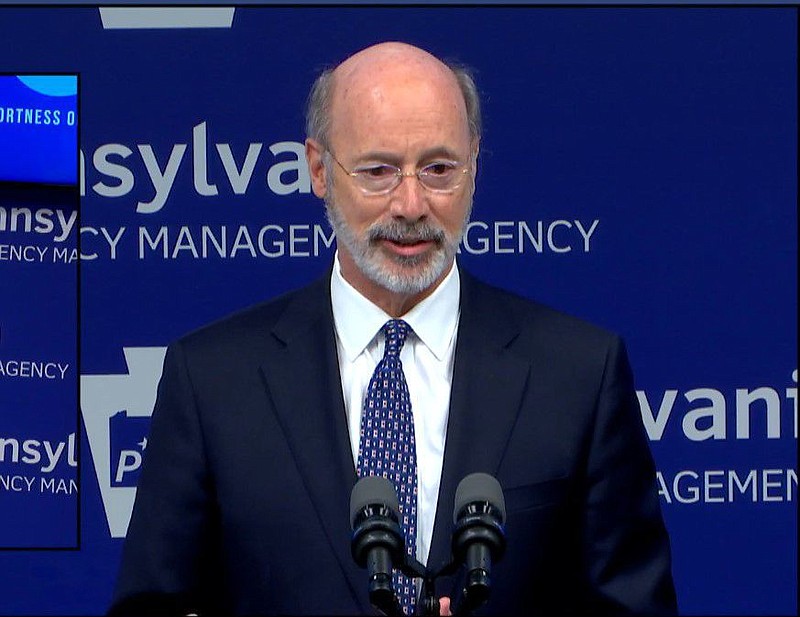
(475,150)
(316,167)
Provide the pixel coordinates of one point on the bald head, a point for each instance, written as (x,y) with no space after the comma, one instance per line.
(381,71)
(387,55)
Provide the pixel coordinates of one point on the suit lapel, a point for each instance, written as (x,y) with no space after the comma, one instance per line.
(488,384)
(305,387)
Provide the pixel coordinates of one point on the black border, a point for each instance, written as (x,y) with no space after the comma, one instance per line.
(418,4)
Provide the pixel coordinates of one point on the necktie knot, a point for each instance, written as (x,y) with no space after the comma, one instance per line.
(395,331)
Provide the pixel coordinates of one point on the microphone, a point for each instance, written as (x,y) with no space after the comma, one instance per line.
(377,541)
(479,536)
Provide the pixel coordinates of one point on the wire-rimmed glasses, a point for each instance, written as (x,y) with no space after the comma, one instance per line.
(440,176)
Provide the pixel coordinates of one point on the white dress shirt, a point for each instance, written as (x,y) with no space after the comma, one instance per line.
(427,357)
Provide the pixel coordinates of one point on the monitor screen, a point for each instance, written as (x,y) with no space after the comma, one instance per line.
(39,129)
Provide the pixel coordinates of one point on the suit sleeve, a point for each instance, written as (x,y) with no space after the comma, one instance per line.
(626,545)
(169,557)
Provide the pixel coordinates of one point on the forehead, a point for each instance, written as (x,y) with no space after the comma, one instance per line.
(397,102)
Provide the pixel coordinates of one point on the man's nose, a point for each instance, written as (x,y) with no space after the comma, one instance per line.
(409,200)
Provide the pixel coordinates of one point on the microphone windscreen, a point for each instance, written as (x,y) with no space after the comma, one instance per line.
(372,491)
(479,487)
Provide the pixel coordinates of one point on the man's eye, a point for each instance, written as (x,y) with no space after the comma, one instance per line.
(438,169)
(378,171)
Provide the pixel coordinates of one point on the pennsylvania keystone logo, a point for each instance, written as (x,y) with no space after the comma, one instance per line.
(116,411)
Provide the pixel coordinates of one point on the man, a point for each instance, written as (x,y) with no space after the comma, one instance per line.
(264,420)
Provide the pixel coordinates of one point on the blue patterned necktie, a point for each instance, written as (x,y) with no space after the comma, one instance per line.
(387,445)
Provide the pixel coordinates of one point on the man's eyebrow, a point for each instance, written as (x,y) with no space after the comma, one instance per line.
(393,158)
(439,152)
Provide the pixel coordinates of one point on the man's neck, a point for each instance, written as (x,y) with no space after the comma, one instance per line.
(392,303)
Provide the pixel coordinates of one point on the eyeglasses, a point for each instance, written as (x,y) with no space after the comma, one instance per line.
(441,176)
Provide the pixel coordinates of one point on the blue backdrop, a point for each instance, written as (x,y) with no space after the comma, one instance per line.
(638,169)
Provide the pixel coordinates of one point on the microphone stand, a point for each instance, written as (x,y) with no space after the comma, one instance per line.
(383,598)
(428,604)
(428,601)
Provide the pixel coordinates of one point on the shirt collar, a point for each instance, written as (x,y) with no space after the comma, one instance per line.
(357,320)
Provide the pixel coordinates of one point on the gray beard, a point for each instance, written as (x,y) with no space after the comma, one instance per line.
(411,275)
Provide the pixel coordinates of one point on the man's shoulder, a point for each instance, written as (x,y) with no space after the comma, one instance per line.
(258,323)
(535,322)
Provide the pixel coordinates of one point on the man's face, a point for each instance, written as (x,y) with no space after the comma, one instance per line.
(403,241)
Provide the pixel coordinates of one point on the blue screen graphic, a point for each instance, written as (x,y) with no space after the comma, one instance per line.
(39,129)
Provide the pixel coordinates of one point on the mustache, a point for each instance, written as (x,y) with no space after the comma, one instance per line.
(404,232)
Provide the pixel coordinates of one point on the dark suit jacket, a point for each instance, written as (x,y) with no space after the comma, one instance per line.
(243,499)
